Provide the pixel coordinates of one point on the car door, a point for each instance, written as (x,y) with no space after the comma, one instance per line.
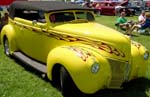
(30,38)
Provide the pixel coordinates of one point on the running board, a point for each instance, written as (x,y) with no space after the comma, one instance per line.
(36,65)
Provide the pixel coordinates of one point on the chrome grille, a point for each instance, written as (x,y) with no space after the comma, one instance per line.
(118,73)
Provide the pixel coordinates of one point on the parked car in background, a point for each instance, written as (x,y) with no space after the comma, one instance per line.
(79,2)
(111,8)
(137,6)
(74,51)
(5,2)
(105,8)
(147,5)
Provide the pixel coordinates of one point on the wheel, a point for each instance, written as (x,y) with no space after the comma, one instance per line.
(98,12)
(6,47)
(66,83)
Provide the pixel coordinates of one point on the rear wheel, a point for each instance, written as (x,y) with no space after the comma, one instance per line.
(98,12)
(6,47)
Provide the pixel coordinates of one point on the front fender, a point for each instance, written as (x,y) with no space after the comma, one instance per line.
(9,32)
(78,63)
(140,66)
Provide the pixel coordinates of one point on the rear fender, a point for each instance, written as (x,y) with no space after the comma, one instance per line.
(9,33)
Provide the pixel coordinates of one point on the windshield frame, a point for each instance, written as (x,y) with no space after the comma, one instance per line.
(73,13)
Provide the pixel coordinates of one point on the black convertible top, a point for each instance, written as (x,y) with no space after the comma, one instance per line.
(46,6)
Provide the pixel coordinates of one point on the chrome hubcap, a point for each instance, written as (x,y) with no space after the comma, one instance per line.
(6,47)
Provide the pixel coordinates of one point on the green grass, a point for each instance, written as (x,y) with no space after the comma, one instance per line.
(17,81)
(110,21)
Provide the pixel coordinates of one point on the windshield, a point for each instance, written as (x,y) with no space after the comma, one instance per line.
(85,15)
(70,16)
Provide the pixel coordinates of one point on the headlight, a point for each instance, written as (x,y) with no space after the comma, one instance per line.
(95,67)
(146,55)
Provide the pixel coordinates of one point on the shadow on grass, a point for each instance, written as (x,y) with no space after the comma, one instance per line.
(135,35)
(135,88)
(30,69)
(145,34)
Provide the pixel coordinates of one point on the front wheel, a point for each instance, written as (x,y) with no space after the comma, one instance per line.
(6,47)
(66,83)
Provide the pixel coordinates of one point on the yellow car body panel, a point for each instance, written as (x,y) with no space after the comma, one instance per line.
(80,68)
(78,45)
(99,35)
(140,67)
(8,31)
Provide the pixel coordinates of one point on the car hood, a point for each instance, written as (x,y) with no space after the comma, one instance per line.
(107,41)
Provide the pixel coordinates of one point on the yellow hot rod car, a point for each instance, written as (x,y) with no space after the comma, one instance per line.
(63,41)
